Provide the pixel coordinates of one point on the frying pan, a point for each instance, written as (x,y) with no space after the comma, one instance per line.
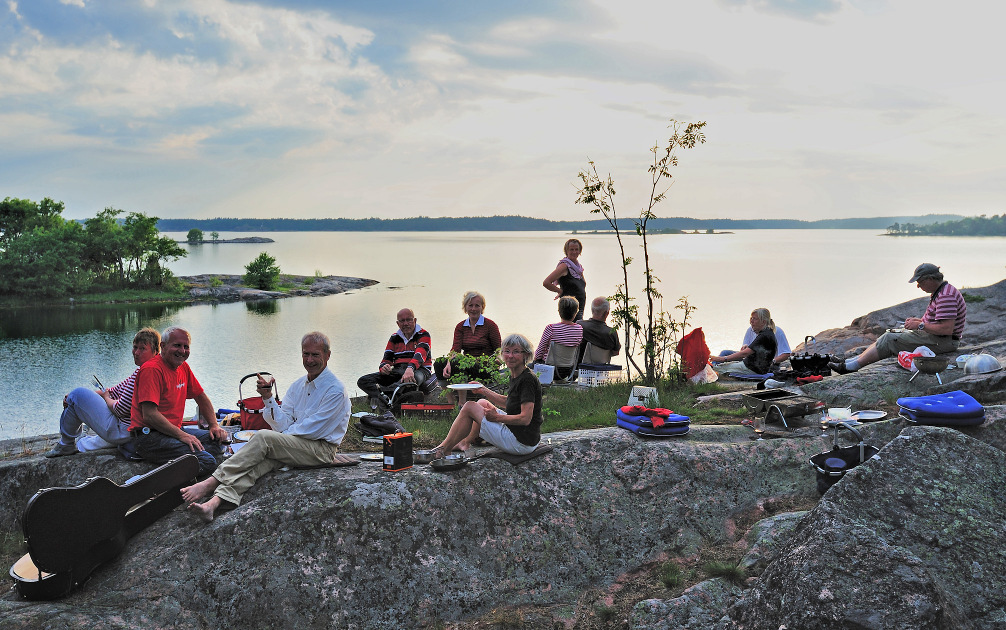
(453,462)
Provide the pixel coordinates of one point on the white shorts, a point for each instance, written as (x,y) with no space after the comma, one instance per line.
(500,436)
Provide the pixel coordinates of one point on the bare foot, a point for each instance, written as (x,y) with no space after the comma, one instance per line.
(206,510)
(193,493)
(461,446)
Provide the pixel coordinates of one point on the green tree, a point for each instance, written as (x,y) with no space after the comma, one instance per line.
(45,262)
(195,236)
(215,236)
(657,334)
(262,273)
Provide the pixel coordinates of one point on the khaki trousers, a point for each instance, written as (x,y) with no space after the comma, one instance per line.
(265,452)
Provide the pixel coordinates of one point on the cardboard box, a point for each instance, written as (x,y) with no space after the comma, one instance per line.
(397,452)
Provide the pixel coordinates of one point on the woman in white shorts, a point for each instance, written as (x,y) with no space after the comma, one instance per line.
(514,428)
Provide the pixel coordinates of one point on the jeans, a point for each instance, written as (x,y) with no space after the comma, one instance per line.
(83,406)
(160,449)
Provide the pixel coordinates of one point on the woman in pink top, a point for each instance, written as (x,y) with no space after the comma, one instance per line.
(564,333)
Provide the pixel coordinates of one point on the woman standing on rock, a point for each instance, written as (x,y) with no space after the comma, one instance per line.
(567,278)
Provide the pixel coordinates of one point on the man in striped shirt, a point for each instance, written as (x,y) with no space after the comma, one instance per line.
(406,359)
(939,329)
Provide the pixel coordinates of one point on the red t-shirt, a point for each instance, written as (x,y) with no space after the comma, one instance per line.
(166,388)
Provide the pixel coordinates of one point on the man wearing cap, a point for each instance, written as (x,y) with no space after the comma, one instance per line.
(939,328)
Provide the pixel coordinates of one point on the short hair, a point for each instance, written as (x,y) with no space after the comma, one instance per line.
(565,248)
(150,337)
(170,330)
(600,306)
(568,306)
(938,276)
(519,341)
(317,337)
(765,316)
(471,295)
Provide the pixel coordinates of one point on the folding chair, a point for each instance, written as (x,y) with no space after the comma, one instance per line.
(595,356)
(562,357)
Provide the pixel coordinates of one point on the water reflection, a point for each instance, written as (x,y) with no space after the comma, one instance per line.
(263,307)
(55,321)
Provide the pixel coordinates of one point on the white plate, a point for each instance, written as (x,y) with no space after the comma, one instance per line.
(867,415)
(372,457)
(464,386)
(244,436)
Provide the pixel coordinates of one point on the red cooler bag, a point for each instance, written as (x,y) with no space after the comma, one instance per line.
(251,408)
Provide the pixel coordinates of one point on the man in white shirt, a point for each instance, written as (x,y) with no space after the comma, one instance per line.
(308,429)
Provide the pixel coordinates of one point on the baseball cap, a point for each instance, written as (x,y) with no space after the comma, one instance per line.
(925,269)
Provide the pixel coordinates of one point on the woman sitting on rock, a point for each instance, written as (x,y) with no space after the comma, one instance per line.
(516,428)
(755,357)
(565,333)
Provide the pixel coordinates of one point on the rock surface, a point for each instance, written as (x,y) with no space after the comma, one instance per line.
(360,548)
(231,288)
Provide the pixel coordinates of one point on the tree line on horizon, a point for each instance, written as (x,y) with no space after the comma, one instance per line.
(967,226)
(516,223)
(43,254)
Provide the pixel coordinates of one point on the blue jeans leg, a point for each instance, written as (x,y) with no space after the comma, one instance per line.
(86,407)
(159,448)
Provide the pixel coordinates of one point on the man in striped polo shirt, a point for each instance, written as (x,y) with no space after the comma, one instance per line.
(939,329)
(406,359)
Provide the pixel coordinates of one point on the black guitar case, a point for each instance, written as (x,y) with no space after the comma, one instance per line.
(71,531)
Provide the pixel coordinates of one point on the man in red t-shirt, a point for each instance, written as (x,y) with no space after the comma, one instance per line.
(162,386)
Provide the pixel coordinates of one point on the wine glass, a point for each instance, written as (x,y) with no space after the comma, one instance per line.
(759,426)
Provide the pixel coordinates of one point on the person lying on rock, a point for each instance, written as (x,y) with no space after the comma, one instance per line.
(756,356)
(939,329)
(308,429)
(162,386)
(106,411)
(516,428)
(407,359)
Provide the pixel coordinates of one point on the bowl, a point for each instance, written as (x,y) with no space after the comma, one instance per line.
(962,360)
(424,456)
(982,364)
(839,413)
(931,365)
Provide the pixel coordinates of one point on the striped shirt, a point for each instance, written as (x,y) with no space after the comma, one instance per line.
(562,333)
(123,396)
(415,351)
(947,303)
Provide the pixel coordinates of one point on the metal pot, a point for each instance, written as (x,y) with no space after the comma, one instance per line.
(982,364)
(424,456)
(454,461)
(931,365)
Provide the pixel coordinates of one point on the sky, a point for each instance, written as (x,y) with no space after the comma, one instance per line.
(362,108)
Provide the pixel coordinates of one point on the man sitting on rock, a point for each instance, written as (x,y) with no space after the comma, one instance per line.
(308,429)
(596,331)
(406,359)
(939,328)
(158,408)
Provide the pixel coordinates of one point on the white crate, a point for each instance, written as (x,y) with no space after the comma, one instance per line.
(593,378)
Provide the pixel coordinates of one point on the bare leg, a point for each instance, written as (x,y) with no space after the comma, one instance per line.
(469,417)
(870,355)
(193,493)
(206,510)
(466,443)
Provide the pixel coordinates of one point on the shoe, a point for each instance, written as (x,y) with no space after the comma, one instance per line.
(62,449)
(839,367)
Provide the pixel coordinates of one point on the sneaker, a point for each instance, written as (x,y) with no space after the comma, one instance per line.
(839,367)
(62,449)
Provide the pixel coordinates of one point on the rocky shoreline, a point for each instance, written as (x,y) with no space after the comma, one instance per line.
(231,288)
(580,538)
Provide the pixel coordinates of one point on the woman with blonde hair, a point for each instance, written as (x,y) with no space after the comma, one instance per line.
(476,335)
(755,357)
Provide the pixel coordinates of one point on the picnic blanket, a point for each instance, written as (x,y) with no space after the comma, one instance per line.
(519,459)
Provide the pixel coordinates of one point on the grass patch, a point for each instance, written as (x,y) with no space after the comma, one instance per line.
(671,575)
(727,570)
(971,298)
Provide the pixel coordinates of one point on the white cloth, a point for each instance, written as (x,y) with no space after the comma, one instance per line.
(315,410)
(780,339)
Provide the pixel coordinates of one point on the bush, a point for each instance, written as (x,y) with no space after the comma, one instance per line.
(262,273)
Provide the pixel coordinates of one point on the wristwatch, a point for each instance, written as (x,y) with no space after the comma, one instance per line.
(922,326)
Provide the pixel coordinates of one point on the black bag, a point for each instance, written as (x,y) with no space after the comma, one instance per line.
(376,426)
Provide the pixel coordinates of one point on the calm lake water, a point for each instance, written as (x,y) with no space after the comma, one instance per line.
(811,280)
